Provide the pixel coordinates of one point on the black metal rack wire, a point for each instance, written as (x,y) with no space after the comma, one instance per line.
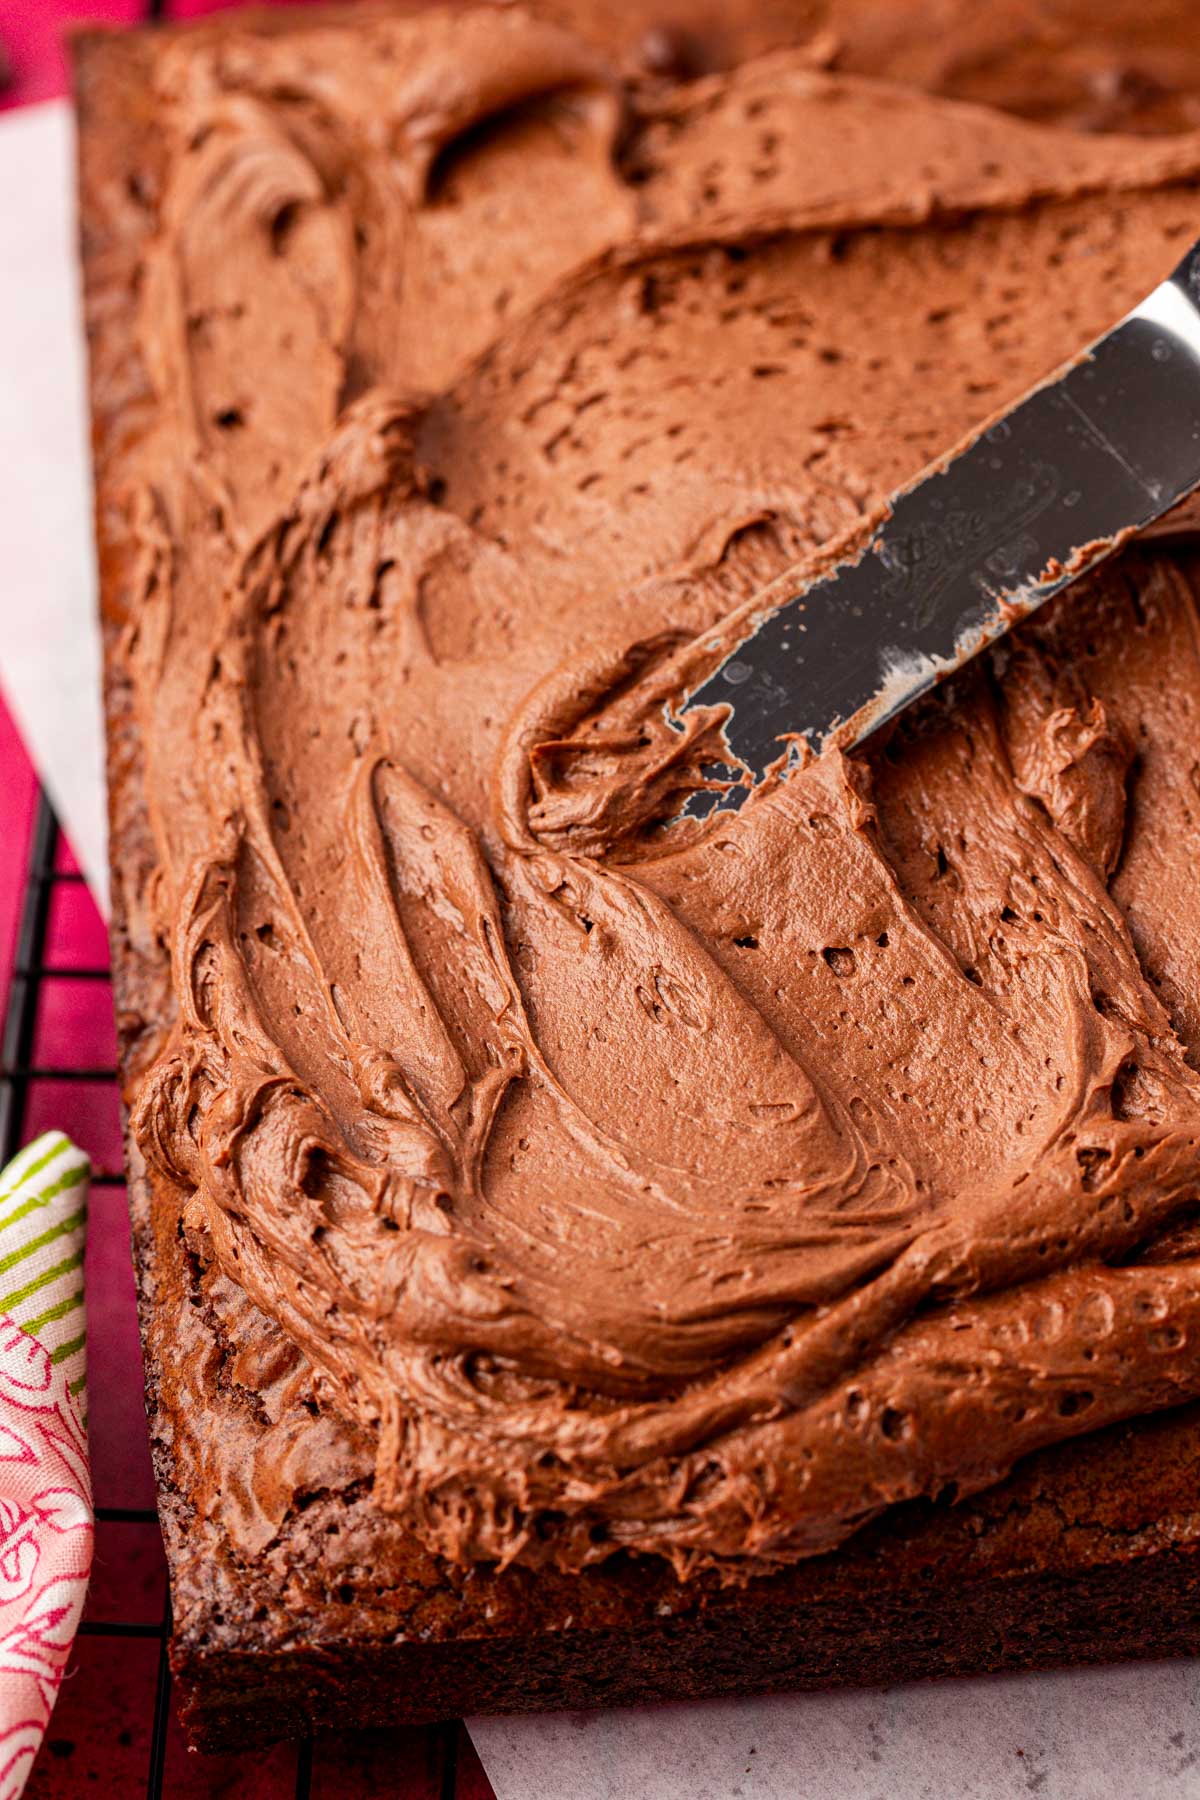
(18,1072)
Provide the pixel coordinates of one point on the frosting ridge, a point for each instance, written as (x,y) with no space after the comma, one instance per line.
(700,1193)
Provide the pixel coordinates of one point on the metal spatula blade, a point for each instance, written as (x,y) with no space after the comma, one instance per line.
(976,542)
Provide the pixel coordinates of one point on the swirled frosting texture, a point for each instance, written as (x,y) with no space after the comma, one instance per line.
(706,1194)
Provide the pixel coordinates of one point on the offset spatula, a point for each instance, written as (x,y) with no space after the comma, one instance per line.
(976,542)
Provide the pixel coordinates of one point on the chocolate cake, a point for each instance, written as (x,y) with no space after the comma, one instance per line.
(585,1257)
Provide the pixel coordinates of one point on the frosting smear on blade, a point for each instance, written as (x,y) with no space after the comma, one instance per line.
(696,1190)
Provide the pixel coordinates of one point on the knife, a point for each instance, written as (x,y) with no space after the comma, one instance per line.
(978,541)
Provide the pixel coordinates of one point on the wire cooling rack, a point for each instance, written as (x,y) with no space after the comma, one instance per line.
(18,1074)
(435,1763)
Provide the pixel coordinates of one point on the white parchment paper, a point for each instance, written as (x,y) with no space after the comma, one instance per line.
(1086,1734)
(49,646)
(1109,1734)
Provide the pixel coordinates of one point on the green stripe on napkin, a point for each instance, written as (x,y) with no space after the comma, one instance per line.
(43,1222)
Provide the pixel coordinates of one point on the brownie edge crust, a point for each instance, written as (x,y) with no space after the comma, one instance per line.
(341,1618)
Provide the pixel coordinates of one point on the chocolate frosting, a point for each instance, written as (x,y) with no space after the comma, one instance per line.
(701,1191)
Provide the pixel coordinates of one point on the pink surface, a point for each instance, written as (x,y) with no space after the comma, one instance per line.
(32,33)
(17,793)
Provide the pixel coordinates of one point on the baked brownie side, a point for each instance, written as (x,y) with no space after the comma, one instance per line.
(298,1602)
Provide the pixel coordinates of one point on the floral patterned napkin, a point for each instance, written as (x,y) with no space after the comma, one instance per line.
(45,1490)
